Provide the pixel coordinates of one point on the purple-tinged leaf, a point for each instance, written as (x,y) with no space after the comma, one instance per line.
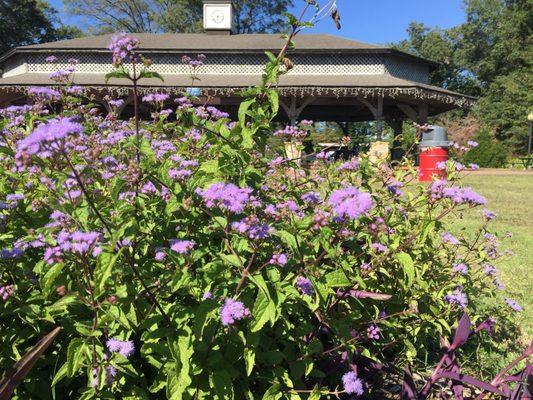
(487,325)
(408,386)
(524,386)
(456,386)
(468,380)
(361,294)
(462,333)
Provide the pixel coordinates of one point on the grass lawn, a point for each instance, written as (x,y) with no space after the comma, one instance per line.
(510,196)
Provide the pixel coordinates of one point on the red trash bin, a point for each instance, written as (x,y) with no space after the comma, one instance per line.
(429,159)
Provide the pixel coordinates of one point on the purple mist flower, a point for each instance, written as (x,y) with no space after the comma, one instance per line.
(372,332)
(7,291)
(44,94)
(160,255)
(304,285)
(447,237)
(350,202)
(278,259)
(124,348)
(110,375)
(457,297)
(49,137)
(232,311)
(513,305)
(123,48)
(352,384)
(207,295)
(312,197)
(227,196)
(489,215)
(461,268)
(352,165)
(182,246)
(291,131)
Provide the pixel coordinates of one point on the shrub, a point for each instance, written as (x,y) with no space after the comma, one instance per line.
(182,263)
(489,153)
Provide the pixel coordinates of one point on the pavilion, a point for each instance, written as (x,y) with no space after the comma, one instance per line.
(333,79)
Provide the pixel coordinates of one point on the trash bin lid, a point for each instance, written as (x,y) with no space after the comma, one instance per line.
(435,137)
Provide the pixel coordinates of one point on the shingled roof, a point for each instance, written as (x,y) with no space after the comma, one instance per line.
(201,42)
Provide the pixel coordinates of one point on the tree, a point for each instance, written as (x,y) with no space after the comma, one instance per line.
(497,38)
(251,16)
(441,46)
(24,22)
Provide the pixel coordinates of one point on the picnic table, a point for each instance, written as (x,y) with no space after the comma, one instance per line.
(527,161)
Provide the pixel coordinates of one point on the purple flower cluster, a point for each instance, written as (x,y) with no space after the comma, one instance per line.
(182,246)
(312,197)
(352,165)
(226,196)
(447,237)
(278,259)
(305,286)
(488,215)
(253,228)
(233,311)
(77,242)
(457,297)
(44,94)
(461,268)
(7,291)
(48,138)
(196,62)
(124,348)
(350,203)
(291,131)
(372,332)
(8,254)
(466,195)
(155,98)
(352,384)
(123,48)
(513,305)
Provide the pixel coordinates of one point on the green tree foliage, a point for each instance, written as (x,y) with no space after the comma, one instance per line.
(251,16)
(25,22)
(488,56)
(489,153)
(441,46)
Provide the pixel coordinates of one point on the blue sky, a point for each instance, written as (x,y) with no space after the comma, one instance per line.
(375,21)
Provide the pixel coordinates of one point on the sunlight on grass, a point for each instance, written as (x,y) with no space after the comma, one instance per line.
(510,196)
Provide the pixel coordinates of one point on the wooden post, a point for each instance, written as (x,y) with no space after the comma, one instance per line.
(397,152)
(379,120)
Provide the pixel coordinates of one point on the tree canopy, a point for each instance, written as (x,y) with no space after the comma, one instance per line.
(25,22)
(251,16)
(490,56)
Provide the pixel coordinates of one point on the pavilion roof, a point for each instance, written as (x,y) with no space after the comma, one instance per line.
(202,42)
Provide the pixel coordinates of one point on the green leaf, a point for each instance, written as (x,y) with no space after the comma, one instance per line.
(273,393)
(264,310)
(151,74)
(243,110)
(408,266)
(50,278)
(75,356)
(118,74)
(249,360)
(290,240)
(316,394)
(61,374)
(103,270)
(337,278)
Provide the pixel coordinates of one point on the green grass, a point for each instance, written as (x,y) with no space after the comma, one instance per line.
(510,196)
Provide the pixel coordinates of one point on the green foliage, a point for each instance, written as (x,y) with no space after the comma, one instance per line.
(24,22)
(255,16)
(489,153)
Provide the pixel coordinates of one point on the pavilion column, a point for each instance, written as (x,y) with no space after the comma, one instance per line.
(377,112)
(293,109)
(397,126)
